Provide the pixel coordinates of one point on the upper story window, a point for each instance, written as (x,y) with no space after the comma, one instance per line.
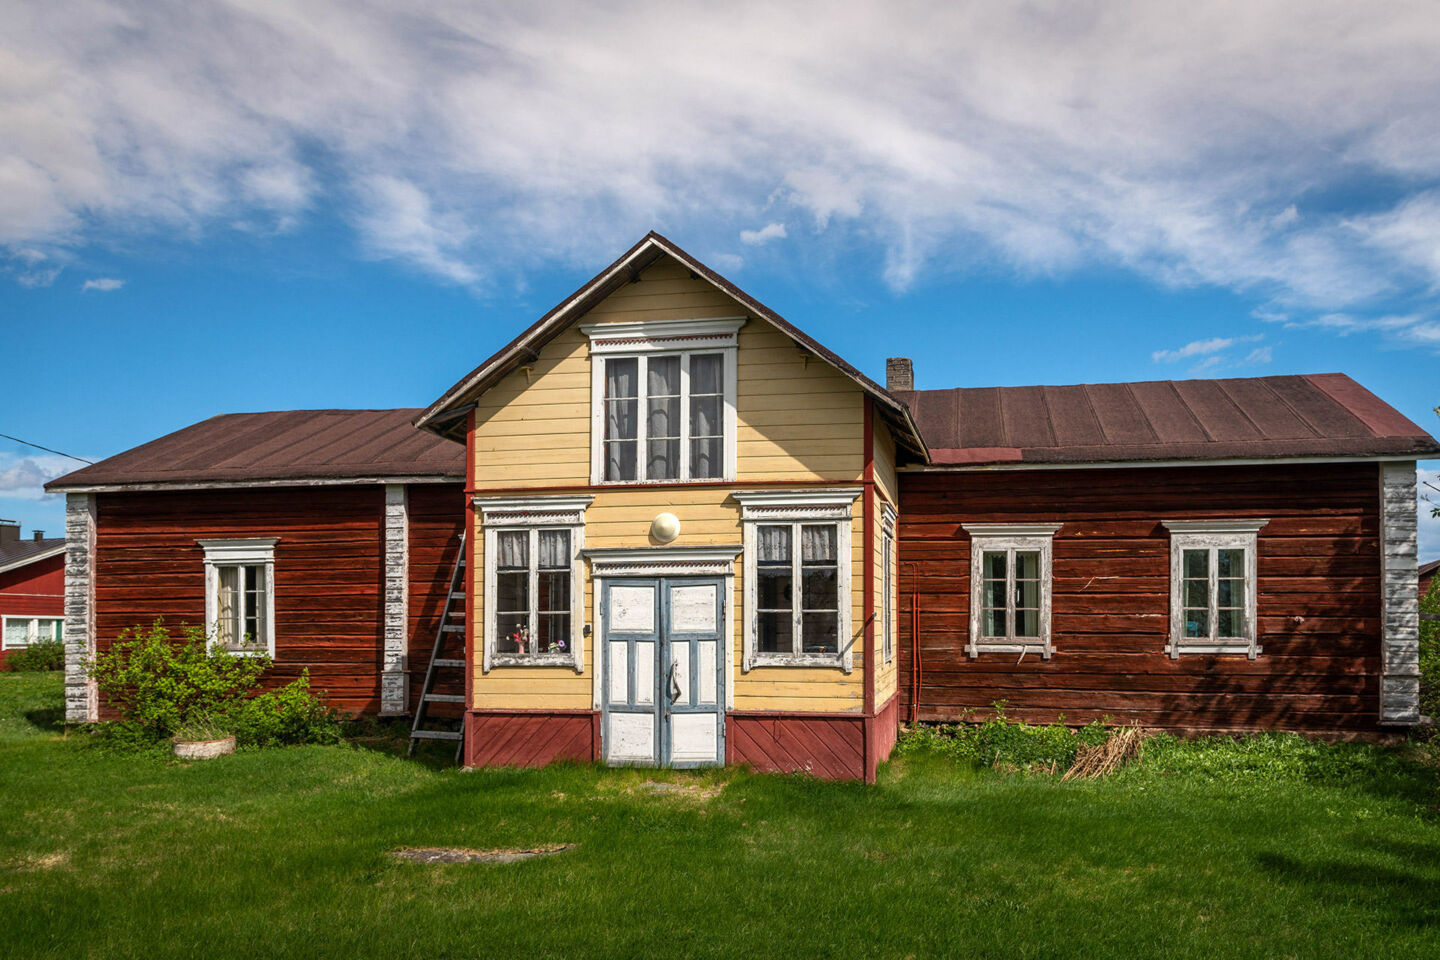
(1213,586)
(534,586)
(663,400)
(1010,588)
(797,577)
(240,593)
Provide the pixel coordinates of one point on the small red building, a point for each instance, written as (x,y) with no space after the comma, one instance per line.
(32,588)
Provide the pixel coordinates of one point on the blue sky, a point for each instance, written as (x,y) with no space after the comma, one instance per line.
(211,208)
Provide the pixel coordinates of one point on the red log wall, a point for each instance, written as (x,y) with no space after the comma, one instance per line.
(329,571)
(34,590)
(1318,603)
(437,518)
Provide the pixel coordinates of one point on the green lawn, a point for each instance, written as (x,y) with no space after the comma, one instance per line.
(285,853)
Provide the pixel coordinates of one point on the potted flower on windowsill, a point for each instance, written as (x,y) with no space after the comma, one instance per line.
(202,738)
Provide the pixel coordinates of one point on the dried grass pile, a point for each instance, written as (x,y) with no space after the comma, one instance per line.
(1105,758)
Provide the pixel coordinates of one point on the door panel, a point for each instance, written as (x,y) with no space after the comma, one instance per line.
(664,672)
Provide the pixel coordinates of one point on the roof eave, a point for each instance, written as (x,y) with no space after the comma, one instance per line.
(28,559)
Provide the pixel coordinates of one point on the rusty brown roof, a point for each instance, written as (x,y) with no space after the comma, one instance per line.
(291,445)
(1316,415)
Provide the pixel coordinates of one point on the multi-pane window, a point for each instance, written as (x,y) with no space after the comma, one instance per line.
(797,589)
(240,593)
(664,417)
(1010,585)
(23,631)
(1212,586)
(242,606)
(887,589)
(533,591)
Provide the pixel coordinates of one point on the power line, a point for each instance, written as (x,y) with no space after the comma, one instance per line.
(46,449)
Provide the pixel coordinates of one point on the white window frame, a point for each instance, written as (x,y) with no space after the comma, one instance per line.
(534,514)
(887,583)
(1212,535)
(1010,537)
(641,340)
(32,631)
(778,508)
(252,551)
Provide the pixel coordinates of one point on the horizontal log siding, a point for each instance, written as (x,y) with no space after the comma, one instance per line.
(1319,597)
(329,575)
(437,519)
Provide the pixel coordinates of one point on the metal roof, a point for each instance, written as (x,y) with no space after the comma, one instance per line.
(1316,415)
(25,552)
(308,446)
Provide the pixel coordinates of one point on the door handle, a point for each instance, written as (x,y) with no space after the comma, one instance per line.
(674,684)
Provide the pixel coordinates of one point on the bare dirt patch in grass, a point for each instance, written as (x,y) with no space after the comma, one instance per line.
(30,863)
(462,855)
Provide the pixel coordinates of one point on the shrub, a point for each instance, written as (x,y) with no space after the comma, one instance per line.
(1430,653)
(38,656)
(163,686)
(1001,742)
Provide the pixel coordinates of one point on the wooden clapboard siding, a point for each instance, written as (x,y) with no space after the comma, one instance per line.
(437,519)
(329,575)
(517,739)
(620,517)
(1318,597)
(887,481)
(832,748)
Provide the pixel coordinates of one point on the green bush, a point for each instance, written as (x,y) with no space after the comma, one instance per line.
(1000,742)
(1430,653)
(38,656)
(161,683)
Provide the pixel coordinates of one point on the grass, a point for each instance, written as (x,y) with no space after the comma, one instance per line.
(1205,851)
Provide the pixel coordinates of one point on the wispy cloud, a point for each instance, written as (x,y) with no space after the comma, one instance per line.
(1200,348)
(102,284)
(771,231)
(467,139)
(23,476)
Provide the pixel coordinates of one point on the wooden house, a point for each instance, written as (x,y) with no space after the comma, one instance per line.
(32,585)
(694,535)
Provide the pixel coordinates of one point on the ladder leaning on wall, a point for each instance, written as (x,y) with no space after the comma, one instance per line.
(447,661)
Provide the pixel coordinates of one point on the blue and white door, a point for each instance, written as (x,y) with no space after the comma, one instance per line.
(663,672)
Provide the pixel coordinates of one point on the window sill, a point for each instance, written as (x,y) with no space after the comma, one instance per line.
(248,651)
(526,660)
(1021,647)
(798,660)
(1233,648)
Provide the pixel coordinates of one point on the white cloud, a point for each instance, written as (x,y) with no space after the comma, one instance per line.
(1182,143)
(727,261)
(1258,356)
(1200,348)
(771,231)
(22,477)
(102,284)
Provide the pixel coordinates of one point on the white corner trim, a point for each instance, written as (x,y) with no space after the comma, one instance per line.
(82,703)
(248,550)
(1400,596)
(393,688)
(532,511)
(1213,535)
(1218,527)
(1010,537)
(1011,529)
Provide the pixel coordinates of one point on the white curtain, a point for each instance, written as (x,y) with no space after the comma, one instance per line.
(773,544)
(512,549)
(817,544)
(621,381)
(554,549)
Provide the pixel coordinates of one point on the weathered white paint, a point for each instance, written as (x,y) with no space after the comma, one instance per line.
(619,671)
(1010,537)
(1212,535)
(677,685)
(694,738)
(397,600)
(81,697)
(707,670)
(693,609)
(645,672)
(630,738)
(632,609)
(1400,596)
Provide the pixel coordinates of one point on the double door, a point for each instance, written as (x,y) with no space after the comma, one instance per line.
(663,649)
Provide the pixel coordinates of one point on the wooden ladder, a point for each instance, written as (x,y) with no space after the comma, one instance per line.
(443,657)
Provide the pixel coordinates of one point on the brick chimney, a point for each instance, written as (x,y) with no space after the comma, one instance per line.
(9,533)
(899,374)
(37,534)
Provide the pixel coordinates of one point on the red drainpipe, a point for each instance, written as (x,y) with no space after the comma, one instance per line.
(915,672)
